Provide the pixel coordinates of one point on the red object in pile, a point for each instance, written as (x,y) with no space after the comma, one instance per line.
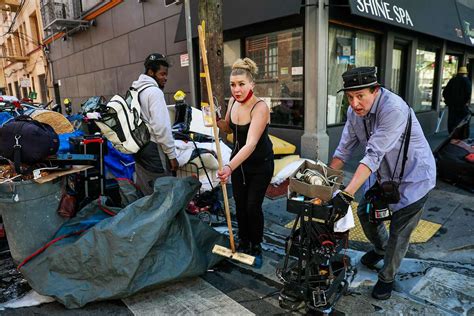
(2,231)
(470,157)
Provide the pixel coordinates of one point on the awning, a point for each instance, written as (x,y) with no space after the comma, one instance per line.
(445,19)
(241,13)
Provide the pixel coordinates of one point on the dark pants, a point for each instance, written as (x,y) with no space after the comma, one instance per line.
(455,116)
(393,246)
(249,189)
(146,178)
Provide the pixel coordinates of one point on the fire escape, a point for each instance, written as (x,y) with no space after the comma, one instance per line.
(62,16)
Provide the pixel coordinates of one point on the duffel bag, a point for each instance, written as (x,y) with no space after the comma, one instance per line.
(25,140)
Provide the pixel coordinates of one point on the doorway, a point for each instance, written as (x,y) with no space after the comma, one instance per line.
(43,89)
(399,69)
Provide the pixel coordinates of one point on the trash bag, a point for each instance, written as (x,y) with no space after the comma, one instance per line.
(5,118)
(64,145)
(94,104)
(120,165)
(148,243)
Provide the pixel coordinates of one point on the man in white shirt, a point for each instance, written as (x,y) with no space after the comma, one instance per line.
(157,158)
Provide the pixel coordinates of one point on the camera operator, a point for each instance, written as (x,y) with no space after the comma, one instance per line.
(398,171)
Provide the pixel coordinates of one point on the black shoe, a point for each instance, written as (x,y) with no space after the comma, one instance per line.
(256,251)
(370,259)
(244,246)
(382,290)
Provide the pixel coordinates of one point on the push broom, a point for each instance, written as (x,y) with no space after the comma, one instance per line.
(220,250)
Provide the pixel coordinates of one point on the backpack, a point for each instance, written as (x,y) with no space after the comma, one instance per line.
(122,124)
(25,140)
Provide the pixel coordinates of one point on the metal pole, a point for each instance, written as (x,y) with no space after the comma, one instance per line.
(189,42)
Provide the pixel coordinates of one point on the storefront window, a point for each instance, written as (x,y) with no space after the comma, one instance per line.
(231,54)
(279,57)
(470,65)
(450,69)
(424,80)
(348,49)
(397,69)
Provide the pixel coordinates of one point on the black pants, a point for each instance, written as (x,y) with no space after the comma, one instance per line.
(393,246)
(455,116)
(249,187)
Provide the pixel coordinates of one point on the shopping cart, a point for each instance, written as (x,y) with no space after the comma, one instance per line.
(205,204)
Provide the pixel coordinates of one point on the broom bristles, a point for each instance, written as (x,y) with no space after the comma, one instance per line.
(238,256)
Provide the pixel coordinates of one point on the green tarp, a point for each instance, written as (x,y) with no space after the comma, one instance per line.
(150,242)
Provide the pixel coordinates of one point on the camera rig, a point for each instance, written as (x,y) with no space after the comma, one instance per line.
(313,273)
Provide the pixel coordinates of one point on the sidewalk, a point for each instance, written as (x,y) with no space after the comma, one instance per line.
(436,277)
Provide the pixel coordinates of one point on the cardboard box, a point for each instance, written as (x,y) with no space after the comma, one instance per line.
(322,192)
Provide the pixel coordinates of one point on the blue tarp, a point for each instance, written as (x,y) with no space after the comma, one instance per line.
(119,164)
(5,117)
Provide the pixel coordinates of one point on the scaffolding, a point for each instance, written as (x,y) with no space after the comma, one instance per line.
(62,16)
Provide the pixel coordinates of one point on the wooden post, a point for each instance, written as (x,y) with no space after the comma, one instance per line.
(210,11)
(207,75)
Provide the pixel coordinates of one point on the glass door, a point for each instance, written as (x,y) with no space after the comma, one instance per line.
(399,72)
(450,69)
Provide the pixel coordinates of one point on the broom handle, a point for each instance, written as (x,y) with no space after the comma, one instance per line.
(214,129)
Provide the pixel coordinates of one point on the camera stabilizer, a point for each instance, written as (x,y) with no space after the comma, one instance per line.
(314,275)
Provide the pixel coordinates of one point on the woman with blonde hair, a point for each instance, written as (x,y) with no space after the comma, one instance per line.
(251,164)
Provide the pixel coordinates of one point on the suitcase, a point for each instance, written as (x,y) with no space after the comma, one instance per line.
(92,181)
(453,158)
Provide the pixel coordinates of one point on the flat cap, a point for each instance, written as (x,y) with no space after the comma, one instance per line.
(359,78)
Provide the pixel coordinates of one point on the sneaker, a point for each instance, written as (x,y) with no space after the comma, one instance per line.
(382,290)
(244,247)
(371,258)
(256,251)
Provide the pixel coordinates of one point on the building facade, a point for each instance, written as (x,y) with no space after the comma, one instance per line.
(23,61)
(301,48)
(103,56)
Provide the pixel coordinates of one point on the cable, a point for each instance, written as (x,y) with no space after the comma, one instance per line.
(20,7)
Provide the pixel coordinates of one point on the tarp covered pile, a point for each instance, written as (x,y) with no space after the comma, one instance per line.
(148,243)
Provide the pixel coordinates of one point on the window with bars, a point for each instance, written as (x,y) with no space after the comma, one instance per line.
(279,58)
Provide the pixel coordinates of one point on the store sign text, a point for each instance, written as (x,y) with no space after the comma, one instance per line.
(385,10)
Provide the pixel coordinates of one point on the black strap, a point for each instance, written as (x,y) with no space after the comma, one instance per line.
(406,143)
(17,154)
(231,106)
(367,135)
(375,115)
(405,149)
(253,107)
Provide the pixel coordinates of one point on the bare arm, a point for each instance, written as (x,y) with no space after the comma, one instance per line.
(336,163)
(224,125)
(360,176)
(259,120)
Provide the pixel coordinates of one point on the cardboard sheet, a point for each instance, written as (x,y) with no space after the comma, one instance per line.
(56,174)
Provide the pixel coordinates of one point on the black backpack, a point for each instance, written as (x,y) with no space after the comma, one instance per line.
(25,140)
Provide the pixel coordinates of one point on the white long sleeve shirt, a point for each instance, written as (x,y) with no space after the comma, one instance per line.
(155,114)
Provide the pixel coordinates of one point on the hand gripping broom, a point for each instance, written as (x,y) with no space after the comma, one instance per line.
(220,250)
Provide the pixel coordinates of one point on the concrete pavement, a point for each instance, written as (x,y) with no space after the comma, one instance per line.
(436,277)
